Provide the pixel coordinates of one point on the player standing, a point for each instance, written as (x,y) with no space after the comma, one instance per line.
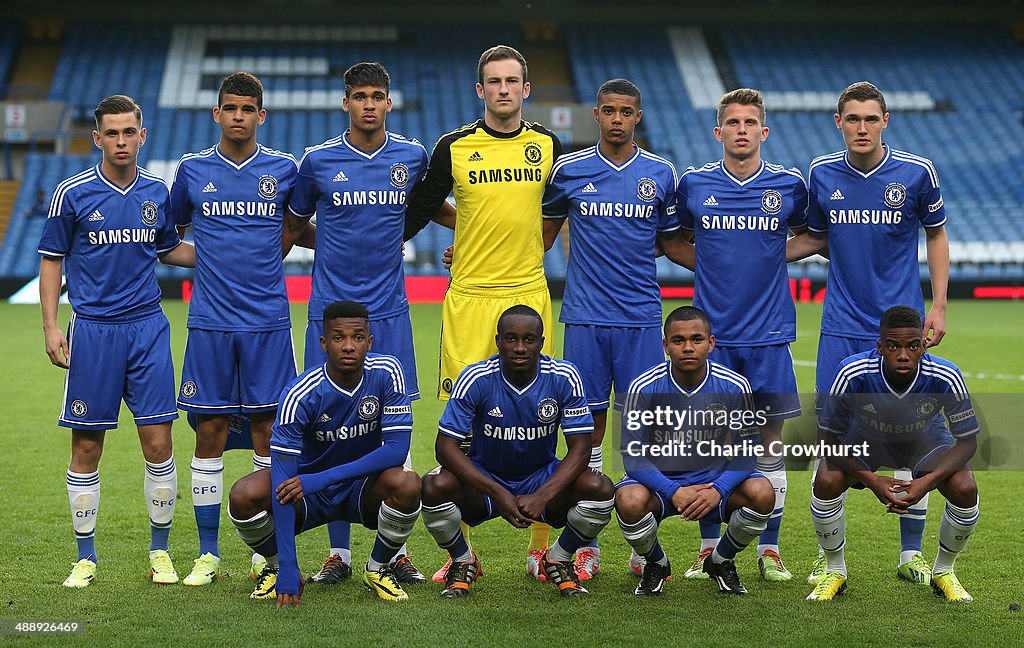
(695,483)
(510,407)
(497,168)
(740,210)
(619,200)
(239,353)
(896,401)
(338,445)
(867,204)
(358,185)
(111,223)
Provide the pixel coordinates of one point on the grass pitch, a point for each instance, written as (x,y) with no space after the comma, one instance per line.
(123,607)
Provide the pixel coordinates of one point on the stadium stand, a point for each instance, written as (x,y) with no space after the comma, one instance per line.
(18,255)
(935,117)
(936,94)
(976,164)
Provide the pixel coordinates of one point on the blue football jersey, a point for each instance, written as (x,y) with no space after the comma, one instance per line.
(515,430)
(872,220)
(359,199)
(615,213)
(740,229)
(326,425)
(237,214)
(862,403)
(109,238)
(694,425)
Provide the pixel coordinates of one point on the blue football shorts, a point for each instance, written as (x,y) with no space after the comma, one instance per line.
(769,370)
(915,452)
(339,502)
(111,360)
(525,486)
(235,372)
(717,516)
(833,349)
(611,354)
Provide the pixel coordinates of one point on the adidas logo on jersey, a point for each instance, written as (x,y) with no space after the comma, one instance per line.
(341,177)
(870,408)
(711,202)
(837,195)
(95,216)
(209,188)
(496,412)
(324,418)
(476,157)
(590,188)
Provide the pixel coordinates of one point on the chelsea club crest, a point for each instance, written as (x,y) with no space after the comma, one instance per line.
(533,153)
(399,175)
(368,408)
(268,187)
(79,408)
(547,410)
(771,201)
(927,407)
(149,213)
(895,195)
(646,189)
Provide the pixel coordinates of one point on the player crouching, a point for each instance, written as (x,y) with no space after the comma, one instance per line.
(694,482)
(337,447)
(893,404)
(512,406)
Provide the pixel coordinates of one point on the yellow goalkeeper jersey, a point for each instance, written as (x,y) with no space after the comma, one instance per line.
(498,181)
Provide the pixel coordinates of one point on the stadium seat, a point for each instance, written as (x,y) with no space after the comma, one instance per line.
(434,71)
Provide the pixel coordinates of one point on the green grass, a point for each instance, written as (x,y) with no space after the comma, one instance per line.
(37,543)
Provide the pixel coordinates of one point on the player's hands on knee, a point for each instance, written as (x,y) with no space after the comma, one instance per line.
(532,506)
(290,490)
(57,348)
(509,509)
(707,498)
(909,493)
(884,489)
(685,495)
(446,258)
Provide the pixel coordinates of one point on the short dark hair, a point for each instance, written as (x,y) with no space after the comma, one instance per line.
(900,317)
(242,84)
(619,87)
(743,97)
(345,309)
(366,74)
(860,91)
(521,309)
(500,53)
(685,314)
(117,105)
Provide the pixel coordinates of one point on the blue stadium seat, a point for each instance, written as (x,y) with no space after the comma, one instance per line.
(435,70)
